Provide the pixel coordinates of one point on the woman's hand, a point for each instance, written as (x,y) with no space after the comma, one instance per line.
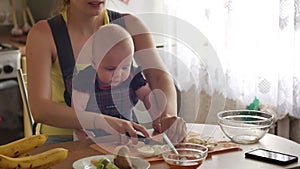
(120,126)
(174,127)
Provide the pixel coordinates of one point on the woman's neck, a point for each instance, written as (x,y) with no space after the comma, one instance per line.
(81,27)
(83,24)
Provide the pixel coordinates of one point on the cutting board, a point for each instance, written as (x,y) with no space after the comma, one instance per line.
(109,147)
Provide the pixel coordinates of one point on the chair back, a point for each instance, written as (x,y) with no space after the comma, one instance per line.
(23,89)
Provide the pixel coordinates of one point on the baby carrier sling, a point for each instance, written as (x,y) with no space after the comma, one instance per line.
(115,101)
(65,52)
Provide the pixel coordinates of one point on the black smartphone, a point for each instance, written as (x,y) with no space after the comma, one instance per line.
(271,156)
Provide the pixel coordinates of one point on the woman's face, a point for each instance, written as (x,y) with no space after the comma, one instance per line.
(91,7)
(115,66)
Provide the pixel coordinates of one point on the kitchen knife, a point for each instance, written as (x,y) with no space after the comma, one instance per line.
(148,141)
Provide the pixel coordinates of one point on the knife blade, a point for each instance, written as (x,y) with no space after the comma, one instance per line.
(148,141)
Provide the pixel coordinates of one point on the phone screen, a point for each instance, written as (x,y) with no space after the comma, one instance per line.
(271,156)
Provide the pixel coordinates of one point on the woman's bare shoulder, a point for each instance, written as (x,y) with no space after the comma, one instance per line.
(40,39)
(133,24)
(40,30)
(130,17)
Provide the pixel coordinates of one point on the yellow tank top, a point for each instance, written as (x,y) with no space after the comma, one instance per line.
(58,89)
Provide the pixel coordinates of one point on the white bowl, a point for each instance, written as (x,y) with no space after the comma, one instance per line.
(245,126)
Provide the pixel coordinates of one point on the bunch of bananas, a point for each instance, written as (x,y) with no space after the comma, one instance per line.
(14,155)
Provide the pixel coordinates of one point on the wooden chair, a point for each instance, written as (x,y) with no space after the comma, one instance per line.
(28,118)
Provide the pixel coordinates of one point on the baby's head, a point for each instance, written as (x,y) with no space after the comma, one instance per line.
(112,54)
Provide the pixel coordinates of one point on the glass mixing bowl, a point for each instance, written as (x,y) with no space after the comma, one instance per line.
(245,126)
(190,156)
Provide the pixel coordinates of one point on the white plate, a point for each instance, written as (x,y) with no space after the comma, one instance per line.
(85,163)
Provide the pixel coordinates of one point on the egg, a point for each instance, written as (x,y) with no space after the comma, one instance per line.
(146,150)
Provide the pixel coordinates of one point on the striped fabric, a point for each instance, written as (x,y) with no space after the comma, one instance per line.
(114,101)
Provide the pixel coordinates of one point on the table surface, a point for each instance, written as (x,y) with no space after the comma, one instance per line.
(226,160)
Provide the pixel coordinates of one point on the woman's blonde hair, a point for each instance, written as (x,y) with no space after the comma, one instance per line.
(60,6)
(64,4)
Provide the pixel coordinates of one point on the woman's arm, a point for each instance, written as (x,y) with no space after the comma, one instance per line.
(158,77)
(152,65)
(154,108)
(40,55)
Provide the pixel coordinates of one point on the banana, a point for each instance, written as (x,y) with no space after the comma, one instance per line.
(43,160)
(21,146)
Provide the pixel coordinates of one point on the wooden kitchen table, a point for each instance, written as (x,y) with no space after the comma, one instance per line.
(78,150)
(225,160)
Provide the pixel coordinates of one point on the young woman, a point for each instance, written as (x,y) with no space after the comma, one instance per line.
(46,85)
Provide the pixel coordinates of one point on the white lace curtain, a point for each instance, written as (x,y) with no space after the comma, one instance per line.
(257,43)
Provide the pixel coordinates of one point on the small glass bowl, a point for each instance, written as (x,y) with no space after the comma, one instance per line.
(190,156)
(245,126)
